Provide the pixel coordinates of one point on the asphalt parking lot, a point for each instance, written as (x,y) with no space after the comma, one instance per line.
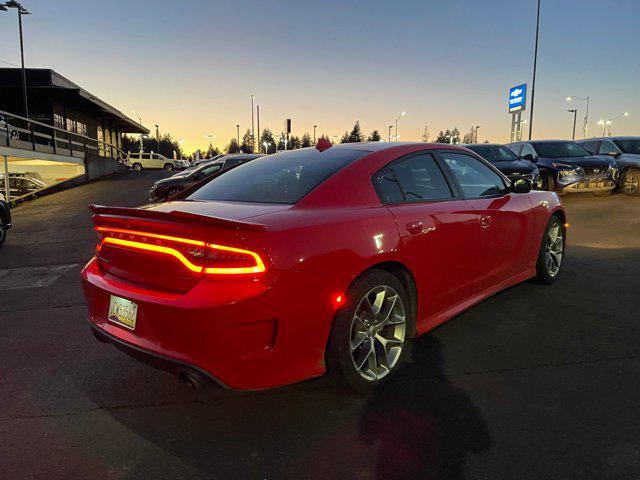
(537,382)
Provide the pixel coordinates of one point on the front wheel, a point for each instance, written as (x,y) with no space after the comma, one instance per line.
(551,255)
(168,167)
(631,182)
(370,333)
(172,192)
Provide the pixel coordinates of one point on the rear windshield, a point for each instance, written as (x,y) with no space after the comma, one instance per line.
(560,149)
(494,153)
(285,177)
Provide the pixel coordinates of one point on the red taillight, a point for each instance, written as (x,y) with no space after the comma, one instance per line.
(195,255)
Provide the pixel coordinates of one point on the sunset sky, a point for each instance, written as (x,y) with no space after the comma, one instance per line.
(191,66)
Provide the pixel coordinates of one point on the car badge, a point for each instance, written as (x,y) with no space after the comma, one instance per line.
(596,170)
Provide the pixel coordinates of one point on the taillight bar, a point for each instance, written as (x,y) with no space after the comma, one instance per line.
(259,266)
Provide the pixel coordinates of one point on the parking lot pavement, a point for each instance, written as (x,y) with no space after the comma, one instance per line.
(536,382)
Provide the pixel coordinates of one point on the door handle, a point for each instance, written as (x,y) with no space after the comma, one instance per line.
(417,228)
(485,221)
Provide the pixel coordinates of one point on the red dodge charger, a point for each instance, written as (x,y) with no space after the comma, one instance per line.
(325,258)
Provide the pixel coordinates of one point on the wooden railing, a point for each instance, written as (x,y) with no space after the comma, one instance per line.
(27,134)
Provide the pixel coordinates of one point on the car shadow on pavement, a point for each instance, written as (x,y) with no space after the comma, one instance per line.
(423,429)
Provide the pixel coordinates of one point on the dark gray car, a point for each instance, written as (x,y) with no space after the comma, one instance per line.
(626,152)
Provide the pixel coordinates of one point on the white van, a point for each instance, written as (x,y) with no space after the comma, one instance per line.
(138,161)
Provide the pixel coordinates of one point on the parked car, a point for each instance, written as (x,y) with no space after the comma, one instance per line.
(567,167)
(168,187)
(626,151)
(507,162)
(318,258)
(139,161)
(207,160)
(22,183)
(5,218)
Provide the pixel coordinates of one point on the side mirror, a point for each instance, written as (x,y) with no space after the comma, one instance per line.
(613,154)
(522,185)
(529,157)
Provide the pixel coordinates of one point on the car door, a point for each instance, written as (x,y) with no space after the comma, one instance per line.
(439,231)
(506,219)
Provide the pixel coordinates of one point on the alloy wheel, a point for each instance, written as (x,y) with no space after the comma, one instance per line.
(378,330)
(631,183)
(554,249)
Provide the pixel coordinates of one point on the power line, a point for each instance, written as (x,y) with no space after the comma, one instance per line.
(9,63)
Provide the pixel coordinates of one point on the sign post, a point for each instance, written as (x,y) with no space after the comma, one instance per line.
(517,104)
(6,179)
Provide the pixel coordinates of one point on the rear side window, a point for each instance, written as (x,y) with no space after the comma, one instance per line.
(474,177)
(285,177)
(414,179)
(589,146)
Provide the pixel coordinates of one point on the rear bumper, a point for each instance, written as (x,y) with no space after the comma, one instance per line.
(247,335)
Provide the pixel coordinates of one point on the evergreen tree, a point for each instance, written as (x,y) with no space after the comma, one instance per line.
(306,141)
(281,141)
(212,152)
(345,138)
(455,135)
(356,134)
(267,137)
(374,137)
(247,145)
(233,146)
(294,142)
(443,137)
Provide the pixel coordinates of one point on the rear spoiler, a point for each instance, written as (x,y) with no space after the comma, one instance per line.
(102,211)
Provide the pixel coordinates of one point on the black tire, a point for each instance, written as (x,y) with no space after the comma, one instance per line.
(3,230)
(168,167)
(630,182)
(137,167)
(543,271)
(339,351)
(173,191)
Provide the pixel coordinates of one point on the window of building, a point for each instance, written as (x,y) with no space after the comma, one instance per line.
(475,178)
(58,120)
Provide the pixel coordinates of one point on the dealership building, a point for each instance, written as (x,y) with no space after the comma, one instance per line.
(69,134)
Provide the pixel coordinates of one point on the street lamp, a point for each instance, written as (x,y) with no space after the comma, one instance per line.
(604,126)
(158,137)
(390,127)
(575,114)
(533,83)
(238,133)
(625,114)
(399,117)
(210,136)
(180,142)
(314,134)
(476,134)
(586,114)
(21,11)
(140,122)
(253,143)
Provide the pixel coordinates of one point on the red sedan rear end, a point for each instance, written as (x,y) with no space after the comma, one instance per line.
(331,255)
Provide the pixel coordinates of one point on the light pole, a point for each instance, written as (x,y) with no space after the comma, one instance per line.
(180,142)
(575,114)
(610,121)
(390,127)
(586,114)
(158,137)
(253,138)
(399,117)
(535,63)
(266,147)
(238,134)
(604,126)
(476,135)
(140,122)
(314,134)
(21,11)
(210,136)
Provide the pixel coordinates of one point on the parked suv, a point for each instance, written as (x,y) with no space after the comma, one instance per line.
(138,161)
(508,162)
(567,167)
(168,187)
(626,151)
(5,219)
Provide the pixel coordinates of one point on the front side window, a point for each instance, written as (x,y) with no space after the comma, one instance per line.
(527,150)
(608,148)
(414,179)
(474,177)
(560,149)
(284,177)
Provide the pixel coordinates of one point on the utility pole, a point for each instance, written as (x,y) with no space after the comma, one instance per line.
(535,63)
(258,117)
(21,11)
(253,136)
(575,114)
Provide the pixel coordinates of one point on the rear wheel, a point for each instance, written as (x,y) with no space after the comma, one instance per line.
(631,182)
(3,230)
(168,167)
(369,337)
(551,255)
(136,167)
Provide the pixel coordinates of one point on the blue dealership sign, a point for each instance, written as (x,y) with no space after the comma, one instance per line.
(517,98)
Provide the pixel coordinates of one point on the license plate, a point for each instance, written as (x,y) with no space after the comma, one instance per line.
(123,312)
